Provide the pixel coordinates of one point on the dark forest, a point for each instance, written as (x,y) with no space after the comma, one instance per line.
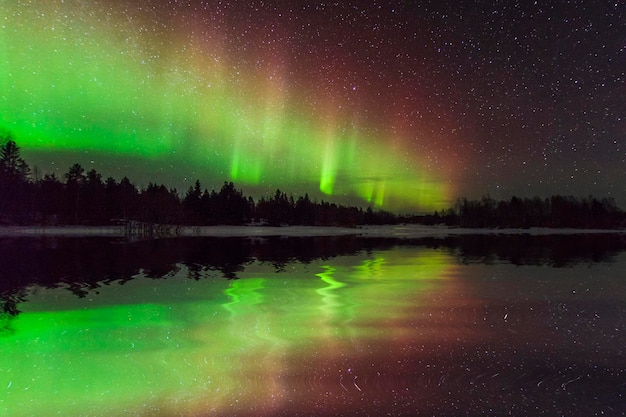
(83,197)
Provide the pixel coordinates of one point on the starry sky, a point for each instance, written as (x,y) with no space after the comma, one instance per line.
(401,105)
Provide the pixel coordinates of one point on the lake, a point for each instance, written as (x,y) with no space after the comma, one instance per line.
(459,326)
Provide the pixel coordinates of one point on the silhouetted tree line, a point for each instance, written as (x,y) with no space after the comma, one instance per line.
(556,211)
(84,197)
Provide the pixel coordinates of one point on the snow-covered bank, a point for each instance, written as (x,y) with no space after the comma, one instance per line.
(69,231)
(389,231)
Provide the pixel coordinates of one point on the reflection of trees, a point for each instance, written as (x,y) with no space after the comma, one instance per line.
(8,308)
(9,301)
(553,250)
(84,264)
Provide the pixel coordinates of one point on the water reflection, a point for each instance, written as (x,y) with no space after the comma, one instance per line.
(397,329)
(554,250)
(92,261)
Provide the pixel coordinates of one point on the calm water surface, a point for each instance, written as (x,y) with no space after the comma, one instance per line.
(312,327)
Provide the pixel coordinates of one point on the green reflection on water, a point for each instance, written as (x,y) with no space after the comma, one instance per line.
(245,294)
(183,347)
(331,299)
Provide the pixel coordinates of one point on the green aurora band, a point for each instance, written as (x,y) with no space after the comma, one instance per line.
(76,77)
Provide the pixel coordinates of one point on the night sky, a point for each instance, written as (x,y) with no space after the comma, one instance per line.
(404,105)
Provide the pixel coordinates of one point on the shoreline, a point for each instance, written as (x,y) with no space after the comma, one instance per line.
(384,231)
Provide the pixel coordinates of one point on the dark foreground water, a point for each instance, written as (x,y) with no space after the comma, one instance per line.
(329,326)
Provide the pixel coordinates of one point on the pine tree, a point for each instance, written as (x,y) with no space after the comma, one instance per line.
(11,164)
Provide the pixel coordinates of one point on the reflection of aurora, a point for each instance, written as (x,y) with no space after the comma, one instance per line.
(196,347)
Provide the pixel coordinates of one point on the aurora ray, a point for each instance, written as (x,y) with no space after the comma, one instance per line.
(102,80)
(405,106)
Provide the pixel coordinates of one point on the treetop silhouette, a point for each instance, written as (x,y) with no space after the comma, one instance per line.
(84,198)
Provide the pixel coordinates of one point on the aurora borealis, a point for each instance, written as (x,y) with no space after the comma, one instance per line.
(399,105)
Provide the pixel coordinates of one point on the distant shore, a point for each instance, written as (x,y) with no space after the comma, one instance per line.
(384,231)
